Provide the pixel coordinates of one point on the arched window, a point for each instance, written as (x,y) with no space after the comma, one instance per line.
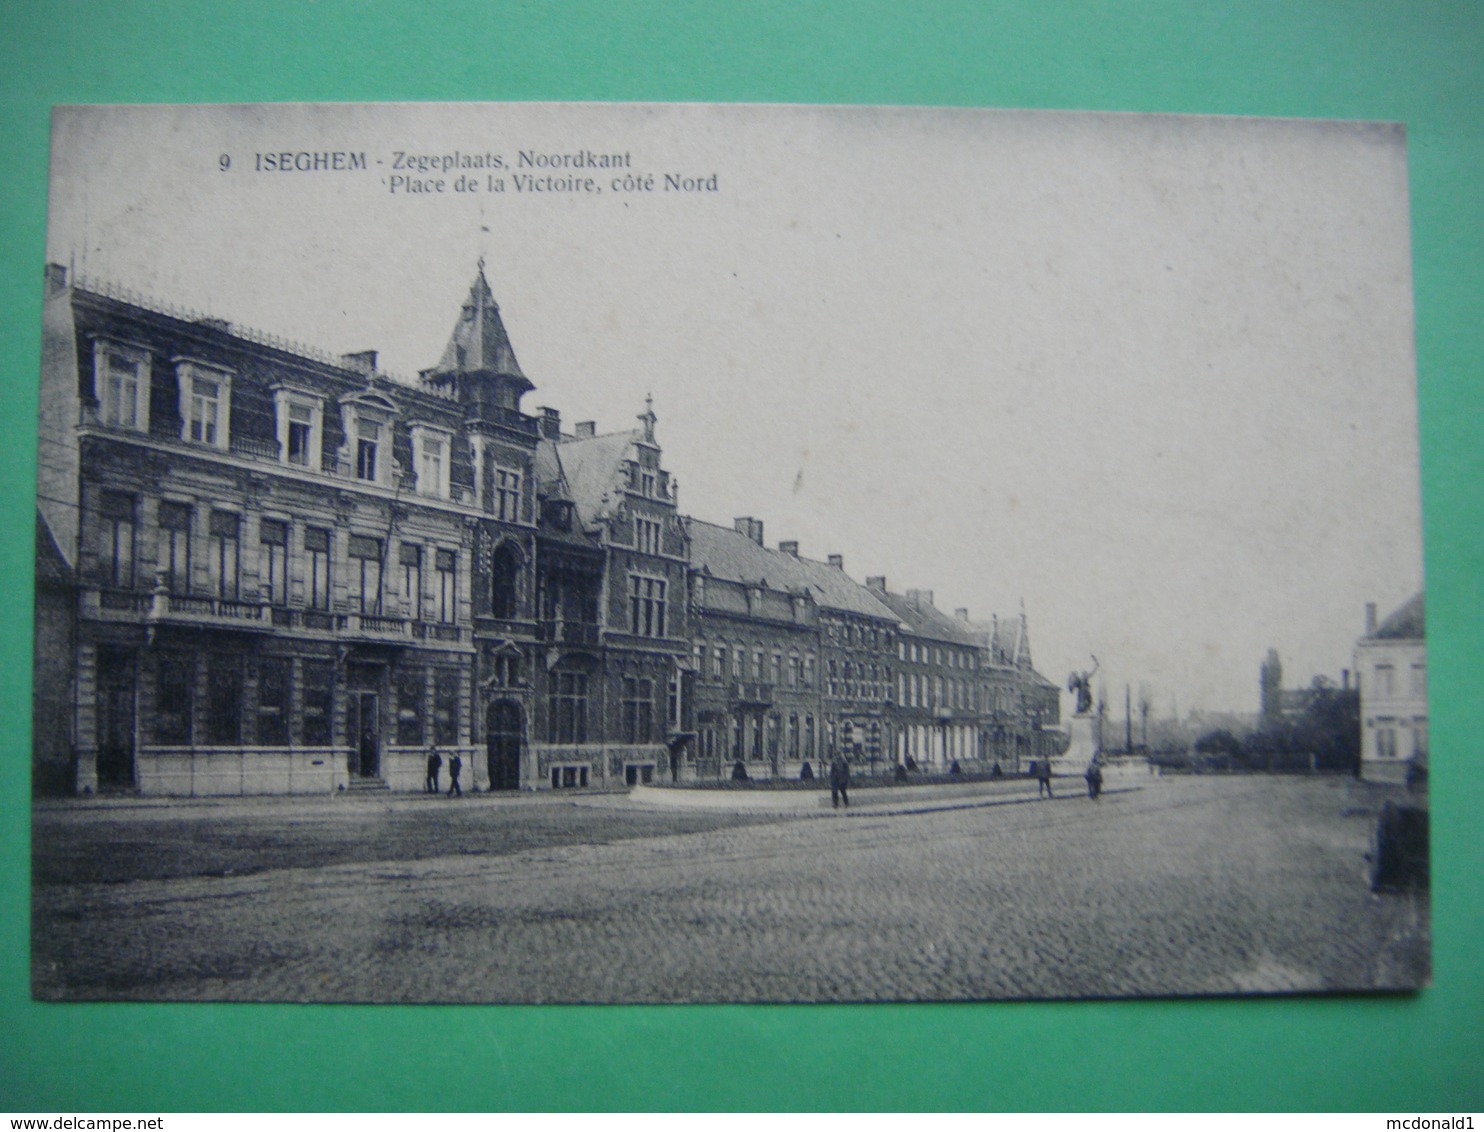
(504,575)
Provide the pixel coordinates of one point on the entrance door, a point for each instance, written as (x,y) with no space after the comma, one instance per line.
(504,736)
(365,734)
(115,719)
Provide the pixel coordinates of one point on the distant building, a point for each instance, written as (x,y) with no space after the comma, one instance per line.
(1391,666)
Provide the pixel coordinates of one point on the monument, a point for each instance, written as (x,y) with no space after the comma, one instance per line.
(1082,727)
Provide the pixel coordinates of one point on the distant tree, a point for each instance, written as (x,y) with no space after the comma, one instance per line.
(1220,742)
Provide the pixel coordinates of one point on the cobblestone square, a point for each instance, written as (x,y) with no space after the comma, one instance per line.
(1172,886)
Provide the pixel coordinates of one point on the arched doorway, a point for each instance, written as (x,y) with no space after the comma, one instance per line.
(504,736)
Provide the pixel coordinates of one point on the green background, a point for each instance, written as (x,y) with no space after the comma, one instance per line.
(1418,63)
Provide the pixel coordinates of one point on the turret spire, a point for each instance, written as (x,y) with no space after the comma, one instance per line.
(479,342)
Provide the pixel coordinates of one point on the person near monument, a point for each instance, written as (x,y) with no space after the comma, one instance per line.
(1094,776)
(839,781)
(455,764)
(1042,771)
(435,764)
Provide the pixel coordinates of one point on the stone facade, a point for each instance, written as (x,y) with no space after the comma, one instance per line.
(1391,667)
(262,569)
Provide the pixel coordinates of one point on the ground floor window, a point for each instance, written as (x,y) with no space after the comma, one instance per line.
(275,674)
(224,701)
(637,774)
(567,708)
(638,709)
(411,687)
(319,702)
(446,707)
(174,695)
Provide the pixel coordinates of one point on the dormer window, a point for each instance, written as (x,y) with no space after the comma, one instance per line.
(300,420)
(121,384)
(367,420)
(432,451)
(205,403)
(368,441)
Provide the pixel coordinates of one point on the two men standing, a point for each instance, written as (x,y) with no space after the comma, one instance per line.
(435,765)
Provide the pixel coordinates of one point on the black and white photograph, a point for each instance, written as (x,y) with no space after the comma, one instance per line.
(627,553)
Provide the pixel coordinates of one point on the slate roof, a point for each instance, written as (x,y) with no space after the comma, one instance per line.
(1407,623)
(925,620)
(479,342)
(590,470)
(728,554)
(51,565)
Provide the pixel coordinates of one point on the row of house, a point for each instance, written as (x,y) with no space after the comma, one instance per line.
(264,569)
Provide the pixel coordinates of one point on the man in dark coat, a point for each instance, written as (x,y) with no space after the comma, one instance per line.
(435,764)
(1094,777)
(1043,778)
(455,764)
(839,781)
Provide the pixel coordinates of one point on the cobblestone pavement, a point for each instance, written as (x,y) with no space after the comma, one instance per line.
(1187,886)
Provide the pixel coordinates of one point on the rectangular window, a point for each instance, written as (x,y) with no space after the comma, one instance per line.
(446,562)
(116,509)
(223,700)
(646,484)
(446,707)
(647,536)
(411,686)
(507,495)
(368,439)
(1419,679)
(273,538)
(123,379)
(365,574)
(567,708)
(224,562)
(175,546)
(203,411)
(173,699)
(757,665)
(646,606)
(719,663)
(809,671)
(638,710)
(273,701)
(300,434)
(317,568)
(319,702)
(430,471)
(1385,680)
(793,670)
(412,580)
(777,670)
(672,703)
(739,657)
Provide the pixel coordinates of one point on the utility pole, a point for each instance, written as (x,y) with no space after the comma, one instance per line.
(1128,720)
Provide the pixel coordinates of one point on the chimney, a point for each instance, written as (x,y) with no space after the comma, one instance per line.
(876,584)
(363,360)
(550,423)
(586,430)
(1345,679)
(752,528)
(837,561)
(791,547)
(961,614)
(56,278)
(1370,617)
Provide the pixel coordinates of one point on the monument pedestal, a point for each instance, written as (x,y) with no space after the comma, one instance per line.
(1083,747)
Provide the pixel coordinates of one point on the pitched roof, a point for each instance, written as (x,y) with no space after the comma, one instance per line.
(923,619)
(591,468)
(51,565)
(1407,623)
(479,342)
(726,553)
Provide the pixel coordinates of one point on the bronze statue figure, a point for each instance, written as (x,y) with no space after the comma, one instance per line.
(1081,683)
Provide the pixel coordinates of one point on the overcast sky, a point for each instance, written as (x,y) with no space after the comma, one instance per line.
(1153,375)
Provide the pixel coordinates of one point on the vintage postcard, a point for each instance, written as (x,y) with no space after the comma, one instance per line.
(664,553)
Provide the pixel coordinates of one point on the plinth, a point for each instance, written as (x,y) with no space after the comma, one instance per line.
(1083,746)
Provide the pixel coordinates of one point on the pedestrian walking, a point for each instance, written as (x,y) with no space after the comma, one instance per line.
(455,764)
(1094,776)
(839,781)
(435,764)
(1043,778)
